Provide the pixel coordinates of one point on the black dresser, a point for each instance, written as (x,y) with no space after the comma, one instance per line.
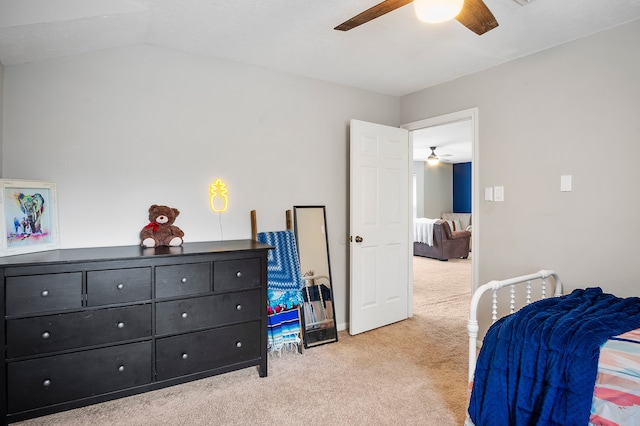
(84,326)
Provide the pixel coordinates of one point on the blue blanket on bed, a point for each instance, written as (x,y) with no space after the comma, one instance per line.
(538,366)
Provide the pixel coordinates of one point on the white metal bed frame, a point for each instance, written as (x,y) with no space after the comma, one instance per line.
(495,286)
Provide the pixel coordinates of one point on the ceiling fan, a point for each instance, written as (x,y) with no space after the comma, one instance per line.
(434,159)
(474,14)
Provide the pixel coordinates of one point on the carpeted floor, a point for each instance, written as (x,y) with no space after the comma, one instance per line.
(409,373)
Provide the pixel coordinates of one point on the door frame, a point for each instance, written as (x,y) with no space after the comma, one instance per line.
(471,113)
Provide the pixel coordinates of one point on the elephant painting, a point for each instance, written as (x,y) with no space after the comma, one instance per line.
(33,208)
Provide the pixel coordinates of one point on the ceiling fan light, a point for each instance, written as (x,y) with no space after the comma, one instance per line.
(433,159)
(434,11)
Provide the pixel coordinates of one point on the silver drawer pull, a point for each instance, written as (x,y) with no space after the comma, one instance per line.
(120,324)
(184,315)
(185,356)
(46,383)
(44,293)
(120,286)
(46,335)
(184,280)
(238,307)
(238,344)
(238,274)
(121,368)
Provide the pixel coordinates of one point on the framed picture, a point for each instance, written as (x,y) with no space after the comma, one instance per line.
(29,216)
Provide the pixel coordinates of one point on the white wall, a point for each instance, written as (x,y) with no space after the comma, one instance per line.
(418,172)
(542,116)
(438,189)
(122,129)
(434,188)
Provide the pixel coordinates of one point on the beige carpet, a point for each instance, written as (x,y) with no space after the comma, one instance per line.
(409,373)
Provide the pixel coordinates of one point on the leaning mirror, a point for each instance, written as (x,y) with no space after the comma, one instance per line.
(313,252)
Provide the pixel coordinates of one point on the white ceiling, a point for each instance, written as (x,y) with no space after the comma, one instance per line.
(452,141)
(394,54)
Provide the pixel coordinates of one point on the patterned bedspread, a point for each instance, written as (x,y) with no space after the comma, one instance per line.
(539,366)
(616,397)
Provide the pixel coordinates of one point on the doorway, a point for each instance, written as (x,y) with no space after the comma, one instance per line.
(470,116)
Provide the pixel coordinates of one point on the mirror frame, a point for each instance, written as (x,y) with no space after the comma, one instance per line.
(328,334)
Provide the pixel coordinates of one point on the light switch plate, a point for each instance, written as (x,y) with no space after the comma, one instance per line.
(498,193)
(488,194)
(565,183)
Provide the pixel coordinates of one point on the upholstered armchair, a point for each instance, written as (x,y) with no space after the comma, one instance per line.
(460,222)
(447,244)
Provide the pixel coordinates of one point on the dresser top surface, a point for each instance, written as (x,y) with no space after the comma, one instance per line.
(130,252)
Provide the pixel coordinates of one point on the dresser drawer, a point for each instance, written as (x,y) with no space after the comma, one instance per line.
(41,293)
(236,274)
(205,350)
(118,286)
(178,316)
(55,379)
(38,335)
(182,280)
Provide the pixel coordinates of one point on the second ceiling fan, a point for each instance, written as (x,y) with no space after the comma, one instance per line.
(474,15)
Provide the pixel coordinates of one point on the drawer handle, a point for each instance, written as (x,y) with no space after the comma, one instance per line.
(44,293)
(184,280)
(120,286)
(120,324)
(238,344)
(46,383)
(185,356)
(121,368)
(46,335)
(184,315)
(238,307)
(238,274)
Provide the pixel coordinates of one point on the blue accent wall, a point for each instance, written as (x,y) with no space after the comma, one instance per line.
(462,188)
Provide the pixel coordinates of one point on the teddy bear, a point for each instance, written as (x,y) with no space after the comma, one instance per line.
(161,231)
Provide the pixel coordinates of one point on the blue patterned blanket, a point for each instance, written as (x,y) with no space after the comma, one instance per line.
(284,282)
(284,290)
(283,331)
(538,366)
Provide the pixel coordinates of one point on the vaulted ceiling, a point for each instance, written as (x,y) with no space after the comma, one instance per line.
(395,54)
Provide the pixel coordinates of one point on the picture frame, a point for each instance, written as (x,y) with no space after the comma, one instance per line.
(29,216)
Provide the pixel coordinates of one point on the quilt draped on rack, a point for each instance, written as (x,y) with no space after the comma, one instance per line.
(284,290)
(538,366)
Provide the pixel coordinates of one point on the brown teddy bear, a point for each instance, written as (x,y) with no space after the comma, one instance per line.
(161,231)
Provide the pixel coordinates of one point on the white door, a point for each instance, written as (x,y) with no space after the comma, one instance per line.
(379,225)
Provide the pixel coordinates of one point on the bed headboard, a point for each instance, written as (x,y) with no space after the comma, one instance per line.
(525,282)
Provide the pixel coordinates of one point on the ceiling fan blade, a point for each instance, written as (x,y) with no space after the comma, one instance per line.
(373,13)
(476,16)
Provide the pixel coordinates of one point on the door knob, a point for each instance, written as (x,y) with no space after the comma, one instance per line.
(358,239)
